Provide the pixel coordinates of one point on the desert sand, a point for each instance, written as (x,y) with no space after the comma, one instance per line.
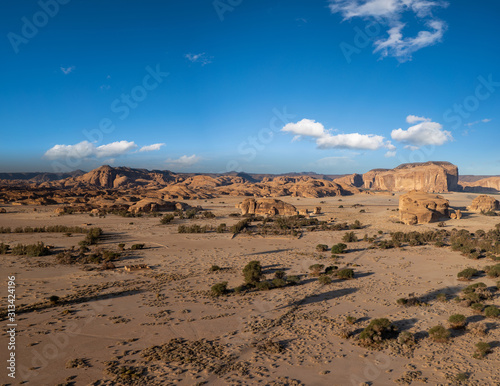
(103,328)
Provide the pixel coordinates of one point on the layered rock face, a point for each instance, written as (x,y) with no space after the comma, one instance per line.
(484,185)
(267,206)
(417,207)
(434,177)
(484,203)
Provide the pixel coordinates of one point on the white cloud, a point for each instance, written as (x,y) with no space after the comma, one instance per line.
(411,119)
(389,13)
(390,154)
(308,127)
(199,58)
(423,133)
(326,140)
(153,147)
(476,122)
(67,70)
(412,148)
(351,141)
(86,149)
(184,161)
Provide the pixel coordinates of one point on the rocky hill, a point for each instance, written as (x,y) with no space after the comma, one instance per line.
(432,176)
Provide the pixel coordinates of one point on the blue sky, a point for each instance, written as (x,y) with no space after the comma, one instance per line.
(269,86)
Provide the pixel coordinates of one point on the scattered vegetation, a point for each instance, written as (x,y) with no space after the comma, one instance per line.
(457,321)
(31,250)
(482,349)
(345,274)
(350,237)
(377,331)
(467,273)
(439,334)
(339,248)
(219,289)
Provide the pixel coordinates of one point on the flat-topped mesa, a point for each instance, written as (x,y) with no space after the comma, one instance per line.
(417,207)
(432,176)
(484,203)
(266,206)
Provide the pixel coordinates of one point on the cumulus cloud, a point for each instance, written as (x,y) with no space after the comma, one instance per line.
(411,119)
(184,161)
(199,58)
(326,140)
(86,149)
(67,70)
(153,147)
(390,154)
(424,133)
(389,14)
(307,127)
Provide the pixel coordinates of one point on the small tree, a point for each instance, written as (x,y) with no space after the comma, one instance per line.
(339,248)
(467,273)
(376,331)
(439,334)
(482,349)
(252,272)
(345,274)
(321,247)
(457,321)
(219,289)
(491,312)
(350,237)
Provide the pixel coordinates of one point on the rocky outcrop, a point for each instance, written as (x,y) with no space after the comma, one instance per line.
(267,206)
(484,185)
(417,207)
(484,203)
(155,205)
(352,180)
(434,177)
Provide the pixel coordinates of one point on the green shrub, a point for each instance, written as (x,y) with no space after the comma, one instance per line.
(350,319)
(339,248)
(457,321)
(278,282)
(279,274)
(467,273)
(263,286)
(32,250)
(324,279)
(355,225)
(377,331)
(293,280)
(137,246)
(321,247)
(482,349)
(214,268)
(221,228)
(330,269)
(219,289)
(121,246)
(316,269)
(252,272)
(492,312)
(167,218)
(345,274)
(477,307)
(441,297)
(350,237)
(4,248)
(208,214)
(195,228)
(54,299)
(406,338)
(439,334)
(493,271)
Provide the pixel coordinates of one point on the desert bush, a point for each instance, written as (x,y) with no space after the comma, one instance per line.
(350,237)
(386,244)
(207,214)
(439,334)
(191,213)
(345,274)
(492,271)
(240,225)
(263,286)
(221,228)
(316,269)
(491,312)
(219,289)
(137,246)
(32,250)
(478,329)
(339,248)
(330,269)
(278,282)
(214,268)
(121,246)
(489,213)
(482,349)
(167,218)
(324,280)
(350,319)
(355,225)
(279,274)
(406,338)
(377,331)
(467,273)
(457,321)
(54,299)
(321,247)
(293,280)
(477,308)
(441,297)
(252,272)
(192,229)
(4,248)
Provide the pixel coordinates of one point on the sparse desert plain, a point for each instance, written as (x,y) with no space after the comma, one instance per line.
(84,319)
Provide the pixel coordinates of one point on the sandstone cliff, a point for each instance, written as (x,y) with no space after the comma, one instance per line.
(434,177)
(417,207)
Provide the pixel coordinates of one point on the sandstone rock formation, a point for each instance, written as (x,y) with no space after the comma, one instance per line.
(317,210)
(457,215)
(433,177)
(267,206)
(484,185)
(155,205)
(484,203)
(417,207)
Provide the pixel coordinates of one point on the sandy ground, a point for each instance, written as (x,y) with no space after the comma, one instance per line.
(118,314)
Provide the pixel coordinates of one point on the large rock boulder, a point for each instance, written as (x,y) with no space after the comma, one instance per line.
(155,205)
(417,207)
(267,206)
(484,203)
(434,177)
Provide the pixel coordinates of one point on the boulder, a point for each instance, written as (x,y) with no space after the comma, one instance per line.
(317,210)
(483,203)
(304,212)
(417,207)
(267,206)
